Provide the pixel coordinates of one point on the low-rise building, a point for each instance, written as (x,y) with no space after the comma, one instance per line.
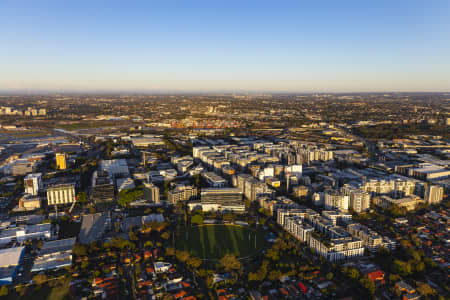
(10,260)
(409,203)
(214,180)
(54,255)
(30,202)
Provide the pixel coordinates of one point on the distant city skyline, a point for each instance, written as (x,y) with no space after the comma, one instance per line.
(230,46)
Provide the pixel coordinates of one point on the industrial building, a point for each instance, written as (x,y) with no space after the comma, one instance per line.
(54,255)
(10,260)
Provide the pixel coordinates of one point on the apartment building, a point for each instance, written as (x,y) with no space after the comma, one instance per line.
(182,193)
(371,239)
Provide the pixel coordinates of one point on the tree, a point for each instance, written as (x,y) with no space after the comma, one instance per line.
(3,291)
(182,256)
(170,251)
(79,250)
(272,254)
(425,289)
(197,219)
(127,196)
(133,236)
(82,197)
(40,279)
(84,264)
(229,262)
(368,284)
(194,262)
(165,235)
(228,217)
(351,272)
(401,267)
(274,275)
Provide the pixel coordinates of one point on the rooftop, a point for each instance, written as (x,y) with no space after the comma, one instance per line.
(10,256)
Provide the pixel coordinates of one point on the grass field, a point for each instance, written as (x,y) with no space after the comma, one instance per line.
(214,241)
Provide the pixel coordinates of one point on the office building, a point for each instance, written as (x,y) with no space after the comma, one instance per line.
(33,183)
(61,163)
(25,232)
(116,168)
(221,200)
(151,192)
(61,194)
(102,188)
(221,195)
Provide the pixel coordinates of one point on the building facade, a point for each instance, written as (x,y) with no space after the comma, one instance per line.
(61,194)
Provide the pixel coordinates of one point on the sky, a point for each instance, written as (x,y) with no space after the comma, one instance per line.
(234,46)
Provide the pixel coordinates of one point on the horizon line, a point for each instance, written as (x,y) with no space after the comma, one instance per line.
(218,91)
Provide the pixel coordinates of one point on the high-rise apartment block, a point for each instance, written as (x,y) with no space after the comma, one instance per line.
(434,194)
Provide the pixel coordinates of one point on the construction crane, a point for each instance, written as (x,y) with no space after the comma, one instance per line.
(69,212)
(73,205)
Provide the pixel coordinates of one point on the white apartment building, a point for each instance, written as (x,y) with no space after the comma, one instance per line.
(336,200)
(434,194)
(359,199)
(371,239)
(336,249)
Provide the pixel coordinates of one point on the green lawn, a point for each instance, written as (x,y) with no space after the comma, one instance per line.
(214,241)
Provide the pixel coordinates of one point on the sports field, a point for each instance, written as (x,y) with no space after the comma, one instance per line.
(214,241)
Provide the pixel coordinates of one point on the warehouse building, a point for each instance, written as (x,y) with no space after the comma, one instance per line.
(9,263)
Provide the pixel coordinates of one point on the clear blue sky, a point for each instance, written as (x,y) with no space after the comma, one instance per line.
(214,45)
